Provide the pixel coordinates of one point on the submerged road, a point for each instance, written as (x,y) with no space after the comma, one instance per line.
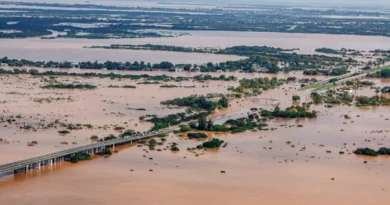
(49,159)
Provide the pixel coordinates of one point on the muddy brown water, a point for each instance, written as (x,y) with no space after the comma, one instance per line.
(72,49)
(261,167)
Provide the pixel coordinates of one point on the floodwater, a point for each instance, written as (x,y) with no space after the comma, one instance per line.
(145,4)
(261,168)
(95,9)
(284,165)
(72,49)
(104,107)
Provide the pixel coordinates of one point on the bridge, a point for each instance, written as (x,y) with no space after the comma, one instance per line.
(49,159)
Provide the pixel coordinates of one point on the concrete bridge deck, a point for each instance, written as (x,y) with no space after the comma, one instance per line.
(49,159)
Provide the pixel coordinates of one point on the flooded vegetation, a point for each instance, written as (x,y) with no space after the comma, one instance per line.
(108,21)
(258,118)
(311,141)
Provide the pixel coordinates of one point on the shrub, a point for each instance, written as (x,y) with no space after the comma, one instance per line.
(296,98)
(129,86)
(385,89)
(219,128)
(214,143)
(384,151)
(119,128)
(290,112)
(79,157)
(316,97)
(366,151)
(197,135)
(94,137)
(185,128)
(109,137)
(63,132)
(70,86)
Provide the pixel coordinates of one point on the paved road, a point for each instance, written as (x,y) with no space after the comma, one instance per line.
(13,166)
(347,75)
(325,87)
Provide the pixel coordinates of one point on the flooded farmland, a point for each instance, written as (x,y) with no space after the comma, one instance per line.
(290,125)
(260,167)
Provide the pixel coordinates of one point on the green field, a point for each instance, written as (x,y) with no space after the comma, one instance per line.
(320,85)
(314,86)
(378,69)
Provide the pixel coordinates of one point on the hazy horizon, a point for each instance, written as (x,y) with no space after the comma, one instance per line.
(310,3)
(290,2)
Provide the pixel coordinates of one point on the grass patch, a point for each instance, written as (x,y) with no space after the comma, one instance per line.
(378,69)
(314,86)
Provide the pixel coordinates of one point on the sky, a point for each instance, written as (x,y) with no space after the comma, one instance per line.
(311,3)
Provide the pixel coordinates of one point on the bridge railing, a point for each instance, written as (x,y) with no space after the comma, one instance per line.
(22,163)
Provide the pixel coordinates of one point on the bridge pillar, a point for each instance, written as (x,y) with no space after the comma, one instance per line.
(39,165)
(27,167)
(50,162)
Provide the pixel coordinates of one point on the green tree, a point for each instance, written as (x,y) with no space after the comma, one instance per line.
(187,67)
(210,125)
(166,65)
(202,123)
(296,97)
(224,102)
(33,72)
(273,69)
